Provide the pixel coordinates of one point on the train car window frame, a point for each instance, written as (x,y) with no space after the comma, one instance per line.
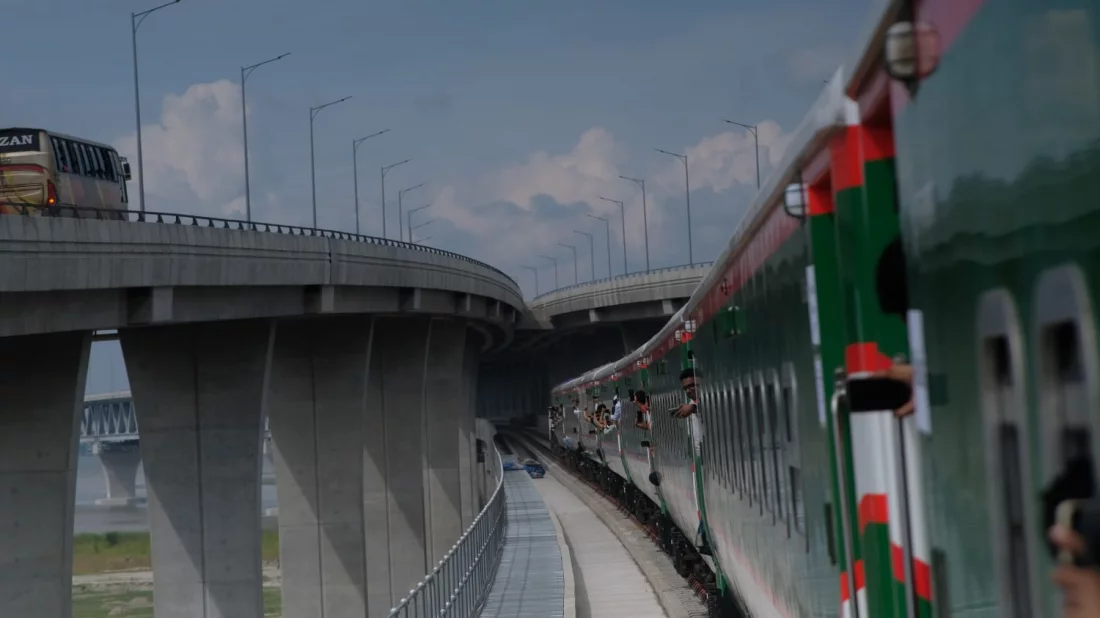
(793,451)
(760,424)
(727,436)
(779,470)
(1007,439)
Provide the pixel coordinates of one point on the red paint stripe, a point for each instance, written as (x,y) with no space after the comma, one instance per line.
(821,200)
(873,509)
(845,595)
(922,572)
(865,358)
(860,579)
(846,165)
(878,144)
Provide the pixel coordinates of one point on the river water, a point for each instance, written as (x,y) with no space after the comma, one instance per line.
(91,485)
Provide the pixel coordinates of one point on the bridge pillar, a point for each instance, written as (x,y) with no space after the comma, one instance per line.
(199,394)
(415,372)
(467,454)
(318,391)
(42,387)
(120,461)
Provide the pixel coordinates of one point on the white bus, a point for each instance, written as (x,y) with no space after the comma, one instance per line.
(42,168)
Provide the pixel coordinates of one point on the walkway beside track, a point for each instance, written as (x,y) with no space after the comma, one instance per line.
(530,580)
(608,582)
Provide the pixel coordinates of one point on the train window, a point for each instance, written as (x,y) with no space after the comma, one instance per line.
(771,391)
(1001,380)
(747,450)
(726,420)
(760,438)
(793,449)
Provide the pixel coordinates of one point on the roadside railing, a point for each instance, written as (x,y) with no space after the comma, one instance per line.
(174,218)
(640,273)
(459,584)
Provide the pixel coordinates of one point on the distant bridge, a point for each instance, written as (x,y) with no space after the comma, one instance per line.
(110,417)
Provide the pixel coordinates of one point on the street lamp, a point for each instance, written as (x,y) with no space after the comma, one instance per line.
(756,138)
(534,271)
(409,216)
(313,111)
(385,169)
(245,72)
(591,251)
(645,218)
(401,211)
(135,23)
(607,225)
(622,213)
(555,261)
(355,169)
(576,278)
(428,222)
(687,197)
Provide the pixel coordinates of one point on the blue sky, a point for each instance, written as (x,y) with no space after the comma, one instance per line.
(519,114)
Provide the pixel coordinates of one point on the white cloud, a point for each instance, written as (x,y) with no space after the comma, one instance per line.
(194,158)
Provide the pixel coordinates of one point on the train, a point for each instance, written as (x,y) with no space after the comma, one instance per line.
(930,222)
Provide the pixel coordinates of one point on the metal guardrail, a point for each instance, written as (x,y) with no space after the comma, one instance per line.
(634,274)
(137,216)
(458,585)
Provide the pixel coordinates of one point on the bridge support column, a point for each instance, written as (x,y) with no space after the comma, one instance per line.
(120,461)
(446,406)
(42,387)
(318,391)
(199,394)
(467,438)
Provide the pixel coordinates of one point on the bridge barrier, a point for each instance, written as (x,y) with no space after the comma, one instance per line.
(633,275)
(460,583)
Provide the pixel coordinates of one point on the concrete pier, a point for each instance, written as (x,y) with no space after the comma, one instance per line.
(199,394)
(42,390)
(120,461)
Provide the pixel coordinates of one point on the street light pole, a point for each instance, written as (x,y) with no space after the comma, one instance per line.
(622,213)
(607,226)
(385,169)
(417,228)
(591,251)
(687,198)
(355,169)
(645,218)
(756,139)
(401,212)
(576,278)
(313,111)
(135,23)
(245,72)
(555,261)
(410,216)
(534,271)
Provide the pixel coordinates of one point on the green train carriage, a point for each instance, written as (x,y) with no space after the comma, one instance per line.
(982,174)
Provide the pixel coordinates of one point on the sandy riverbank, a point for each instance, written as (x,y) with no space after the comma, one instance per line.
(142,580)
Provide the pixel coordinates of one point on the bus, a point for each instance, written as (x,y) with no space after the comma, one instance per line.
(40,168)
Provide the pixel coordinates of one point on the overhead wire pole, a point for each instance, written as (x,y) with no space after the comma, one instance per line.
(135,23)
(409,216)
(591,251)
(645,217)
(756,139)
(535,272)
(422,240)
(355,169)
(401,211)
(607,225)
(313,111)
(576,277)
(384,169)
(687,198)
(417,228)
(555,261)
(622,213)
(245,72)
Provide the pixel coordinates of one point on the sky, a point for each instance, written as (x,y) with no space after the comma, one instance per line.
(518,115)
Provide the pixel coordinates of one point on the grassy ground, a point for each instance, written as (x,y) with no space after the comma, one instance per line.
(139,604)
(122,551)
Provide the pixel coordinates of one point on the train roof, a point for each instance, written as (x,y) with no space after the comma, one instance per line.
(83,140)
(829,114)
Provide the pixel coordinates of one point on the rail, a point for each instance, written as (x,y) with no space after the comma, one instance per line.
(633,274)
(458,585)
(173,218)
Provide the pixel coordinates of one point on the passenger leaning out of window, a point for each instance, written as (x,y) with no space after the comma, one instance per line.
(641,408)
